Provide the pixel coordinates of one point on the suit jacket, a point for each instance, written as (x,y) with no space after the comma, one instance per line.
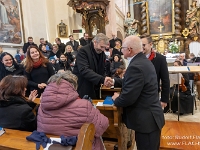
(142,110)
(160,65)
(75,46)
(83,42)
(61,47)
(86,68)
(26,45)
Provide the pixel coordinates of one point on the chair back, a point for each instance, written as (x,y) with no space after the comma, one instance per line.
(85,137)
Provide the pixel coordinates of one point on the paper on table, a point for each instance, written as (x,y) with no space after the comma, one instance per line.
(2,131)
(99,104)
(174,79)
(178,69)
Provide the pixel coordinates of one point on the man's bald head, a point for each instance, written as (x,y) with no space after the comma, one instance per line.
(133,42)
(131,46)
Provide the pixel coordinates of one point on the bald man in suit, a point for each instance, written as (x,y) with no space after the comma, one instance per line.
(142,109)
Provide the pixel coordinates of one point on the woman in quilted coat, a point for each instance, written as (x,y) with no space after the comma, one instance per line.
(62,112)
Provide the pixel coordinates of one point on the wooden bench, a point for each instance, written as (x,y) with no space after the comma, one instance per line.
(16,140)
(105,91)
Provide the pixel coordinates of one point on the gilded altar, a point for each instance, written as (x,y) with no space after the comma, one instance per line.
(94,16)
(167,21)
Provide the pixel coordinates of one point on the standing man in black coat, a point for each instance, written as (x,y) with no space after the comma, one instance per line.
(61,46)
(26,45)
(160,64)
(84,40)
(142,111)
(74,44)
(113,40)
(90,66)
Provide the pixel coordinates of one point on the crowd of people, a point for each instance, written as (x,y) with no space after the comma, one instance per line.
(61,75)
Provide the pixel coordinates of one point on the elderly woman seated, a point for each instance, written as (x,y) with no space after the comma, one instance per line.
(62,112)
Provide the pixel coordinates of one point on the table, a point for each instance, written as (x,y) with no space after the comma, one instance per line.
(16,140)
(105,91)
(116,127)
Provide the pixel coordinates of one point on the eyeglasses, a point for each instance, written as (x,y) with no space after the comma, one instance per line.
(126,48)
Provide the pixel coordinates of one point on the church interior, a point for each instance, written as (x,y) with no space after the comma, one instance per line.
(174,26)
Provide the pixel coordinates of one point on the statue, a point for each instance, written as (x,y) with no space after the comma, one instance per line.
(85,13)
(100,11)
(131,25)
(161,46)
(193,19)
(94,29)
(61,23)
(84,18)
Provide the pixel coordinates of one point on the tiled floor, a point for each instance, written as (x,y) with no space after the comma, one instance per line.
(183,118)
(186,117)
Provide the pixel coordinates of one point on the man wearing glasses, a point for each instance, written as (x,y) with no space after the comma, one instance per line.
(90,66)
(160,65)
(142,111)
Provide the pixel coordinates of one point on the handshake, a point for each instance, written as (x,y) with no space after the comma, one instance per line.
(108,82)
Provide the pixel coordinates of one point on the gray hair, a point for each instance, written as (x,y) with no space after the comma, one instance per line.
(134,42)
(137,45)
(101,37)
(64,75)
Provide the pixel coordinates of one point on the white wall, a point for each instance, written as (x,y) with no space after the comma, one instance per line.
(120,17)
(116,14)
(41,17)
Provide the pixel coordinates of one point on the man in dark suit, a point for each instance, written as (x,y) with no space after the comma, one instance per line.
(160,64)
(61,46)
(90,66)
(113,40)
(26,45)
(73,43)
(84,40)
(142,111)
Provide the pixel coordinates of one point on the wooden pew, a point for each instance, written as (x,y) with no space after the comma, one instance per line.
(105,91)
(116,128)
(16,140)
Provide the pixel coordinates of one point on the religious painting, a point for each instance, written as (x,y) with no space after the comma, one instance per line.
(161,16)
(62,29)
(11,31)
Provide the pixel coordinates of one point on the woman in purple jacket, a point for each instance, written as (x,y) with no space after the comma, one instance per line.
(62,112)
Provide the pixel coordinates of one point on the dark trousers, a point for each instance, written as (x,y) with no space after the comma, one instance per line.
(148,141)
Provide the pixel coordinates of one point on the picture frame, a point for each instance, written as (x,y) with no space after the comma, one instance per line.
(160,18)
(11,23)
(62,31)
